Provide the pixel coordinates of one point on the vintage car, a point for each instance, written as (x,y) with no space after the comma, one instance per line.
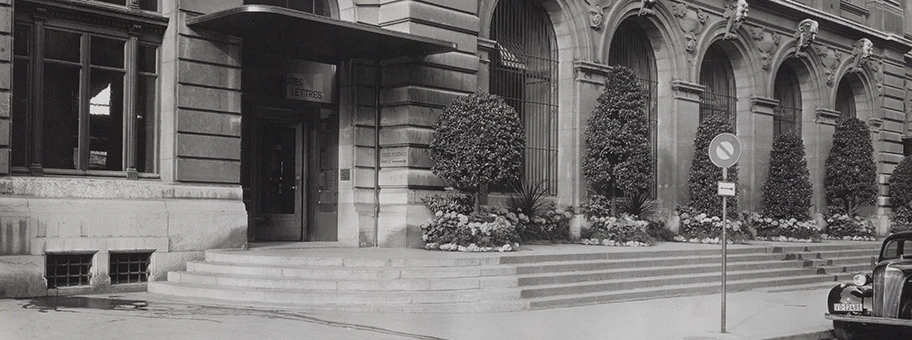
(881,302)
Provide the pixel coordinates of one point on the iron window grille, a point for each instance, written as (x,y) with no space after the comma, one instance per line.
(68,269)
(719,97)
(785,120)
(524,73)
(129,267)
(787,115)
(845,100)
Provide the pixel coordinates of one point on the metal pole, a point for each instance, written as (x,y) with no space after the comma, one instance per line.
(724,246)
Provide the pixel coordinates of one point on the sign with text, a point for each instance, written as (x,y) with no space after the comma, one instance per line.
(311,82)
(726,188)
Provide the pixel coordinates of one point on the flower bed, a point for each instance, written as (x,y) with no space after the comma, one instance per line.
(551,224)
(620,232)
(458,232)
(843,227)
(700,228)
(784,230)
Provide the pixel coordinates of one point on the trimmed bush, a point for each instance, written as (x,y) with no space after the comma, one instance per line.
(704,175)
(850,175)
(901,184)
(787,191)
(450,201)
(617,138)
(478,140)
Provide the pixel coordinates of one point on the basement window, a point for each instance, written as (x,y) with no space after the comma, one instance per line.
(68,269)
(129,267)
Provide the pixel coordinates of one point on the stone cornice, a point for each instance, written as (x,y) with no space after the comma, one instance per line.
(683,86)
(486,44)
(589,67)
(816,14)
(763,105)
(86,12)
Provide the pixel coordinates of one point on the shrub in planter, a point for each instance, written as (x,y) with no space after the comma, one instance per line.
(704,175)
(595,206)
(458,232)
(450,201)
(845,227)
(477,140)
(617,139)
(614,231)
(850,174)
(787,191)
(552,224)
(784,230)
(901,184)
(701,228)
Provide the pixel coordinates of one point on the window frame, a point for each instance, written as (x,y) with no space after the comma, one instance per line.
(34,108)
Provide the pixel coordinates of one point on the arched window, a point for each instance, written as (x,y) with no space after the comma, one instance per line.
(845,99)
(630,47)
(318,7)
(524,73)
(787,118)
(719,97)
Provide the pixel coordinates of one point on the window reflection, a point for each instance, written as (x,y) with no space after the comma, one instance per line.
(106,120)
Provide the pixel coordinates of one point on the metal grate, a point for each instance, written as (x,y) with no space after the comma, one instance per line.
(524,73)
(719,97)
(787,115)
(66,270)
(129,267)
(785,120)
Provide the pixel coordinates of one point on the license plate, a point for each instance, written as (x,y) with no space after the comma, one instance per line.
(847,307)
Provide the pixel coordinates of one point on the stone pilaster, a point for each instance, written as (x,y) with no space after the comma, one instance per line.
(756,134)
(676,138)
(6,81)
(818,139)
(200,82)
(414,91)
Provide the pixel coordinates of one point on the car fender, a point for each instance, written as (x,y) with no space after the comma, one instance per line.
(850,293)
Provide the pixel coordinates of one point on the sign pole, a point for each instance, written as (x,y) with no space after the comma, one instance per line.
(724,246)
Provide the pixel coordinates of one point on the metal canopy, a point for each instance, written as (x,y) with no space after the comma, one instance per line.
(315,37)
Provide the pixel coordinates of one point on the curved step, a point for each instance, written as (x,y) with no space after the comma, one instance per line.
(274,258)
(551,267)
(363,273)
(271,282)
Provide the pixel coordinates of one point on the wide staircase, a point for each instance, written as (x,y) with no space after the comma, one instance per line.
(460,283)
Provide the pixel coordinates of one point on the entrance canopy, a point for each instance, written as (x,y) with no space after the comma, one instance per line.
(315,37)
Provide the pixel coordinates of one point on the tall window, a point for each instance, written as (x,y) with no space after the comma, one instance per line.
(630,47)
(845,99)
(716,74)
(524,73)
(787,118)
(71,97)
(149,5)
(318,7)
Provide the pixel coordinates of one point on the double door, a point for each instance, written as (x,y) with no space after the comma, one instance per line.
(295,180)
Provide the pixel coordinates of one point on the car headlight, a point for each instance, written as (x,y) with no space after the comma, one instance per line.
(861,279)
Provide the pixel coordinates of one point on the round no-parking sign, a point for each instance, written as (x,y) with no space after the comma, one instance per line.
(725,150)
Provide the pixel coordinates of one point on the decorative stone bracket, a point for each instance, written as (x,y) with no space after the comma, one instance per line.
(646,7)
(766,43)
(861,53)
(691,23)
(805,34)
(736,13)
(596,12)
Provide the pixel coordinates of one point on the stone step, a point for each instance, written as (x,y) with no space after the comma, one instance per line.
(657,282)
(363,273)
(555,267)
(271,282)
(261,258)
(826,246)
(851,269)
(836,261)
(679,290)
(588,276)
(619,255)
(831,254)
(311,296)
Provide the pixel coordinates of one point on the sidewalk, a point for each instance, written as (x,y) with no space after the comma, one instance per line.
(751,315)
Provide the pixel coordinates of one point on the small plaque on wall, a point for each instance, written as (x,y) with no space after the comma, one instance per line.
(345,175)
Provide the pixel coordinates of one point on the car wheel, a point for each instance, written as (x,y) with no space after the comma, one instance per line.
(845,330)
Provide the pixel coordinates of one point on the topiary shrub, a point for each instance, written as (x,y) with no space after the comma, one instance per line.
(787,191)
(704,175)
(850,174)
(450,201)
(901,196)
(617,139)
(478,140)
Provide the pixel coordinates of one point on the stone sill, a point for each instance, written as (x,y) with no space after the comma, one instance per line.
(109,188)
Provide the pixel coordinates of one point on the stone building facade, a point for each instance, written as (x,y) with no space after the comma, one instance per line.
(135,134)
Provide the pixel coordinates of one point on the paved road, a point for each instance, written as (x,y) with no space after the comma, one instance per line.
(752,315)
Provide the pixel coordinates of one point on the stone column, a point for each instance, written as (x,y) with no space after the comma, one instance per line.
(676,132)
(588,85)
(414,92)
(818,140)
(6,81)
(756,134)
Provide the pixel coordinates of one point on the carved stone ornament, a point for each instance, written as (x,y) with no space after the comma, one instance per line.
(597,12)
(863,50)
(766,44)
(830,58)
(646,7)
(691,23)
(806,34)
(736,12)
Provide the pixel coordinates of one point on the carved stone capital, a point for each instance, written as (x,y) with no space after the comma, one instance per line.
(826,116)
(763,105)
